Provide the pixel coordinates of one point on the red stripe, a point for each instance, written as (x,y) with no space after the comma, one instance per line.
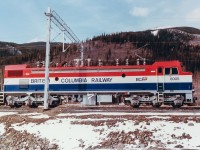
(85,75)
(147,72)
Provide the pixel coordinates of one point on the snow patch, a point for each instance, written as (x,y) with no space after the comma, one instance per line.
(159,117)
(155,32)
(7,113)
(35,115)
(63,133)
(2,130)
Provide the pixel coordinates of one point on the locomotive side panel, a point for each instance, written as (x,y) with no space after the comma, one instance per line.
(88,80)
(87,84)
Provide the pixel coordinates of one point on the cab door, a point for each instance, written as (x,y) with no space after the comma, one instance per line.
(160,79)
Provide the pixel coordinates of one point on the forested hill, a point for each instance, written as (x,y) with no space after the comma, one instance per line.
(179,43)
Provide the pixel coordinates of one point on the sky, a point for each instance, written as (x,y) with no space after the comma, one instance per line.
(24,21)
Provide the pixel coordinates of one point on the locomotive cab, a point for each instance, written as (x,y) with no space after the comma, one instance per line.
(173,84)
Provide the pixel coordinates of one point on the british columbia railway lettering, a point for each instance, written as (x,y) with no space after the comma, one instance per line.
(85,80)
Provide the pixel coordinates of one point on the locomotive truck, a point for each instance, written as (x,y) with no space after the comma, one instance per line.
(163,82)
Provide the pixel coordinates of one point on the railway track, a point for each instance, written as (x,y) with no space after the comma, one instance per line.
(78,108)
(67,108)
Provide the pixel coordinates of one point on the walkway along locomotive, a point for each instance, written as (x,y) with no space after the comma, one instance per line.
(160,83)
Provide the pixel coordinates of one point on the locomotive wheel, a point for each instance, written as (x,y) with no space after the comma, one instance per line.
(34,105)
(17,105)
(54,104)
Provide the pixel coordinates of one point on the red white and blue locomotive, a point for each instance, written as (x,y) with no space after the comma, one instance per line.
(160,83)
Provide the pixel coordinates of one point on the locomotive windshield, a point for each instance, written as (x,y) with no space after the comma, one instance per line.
(174,71)
(171,71)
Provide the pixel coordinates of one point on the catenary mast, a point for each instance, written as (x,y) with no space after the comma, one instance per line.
(46,86)
(56,19)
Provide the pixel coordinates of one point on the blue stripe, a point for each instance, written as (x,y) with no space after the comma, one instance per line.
(178,86)
(101,87)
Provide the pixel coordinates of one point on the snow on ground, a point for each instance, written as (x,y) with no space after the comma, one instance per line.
(35,115)
(63,133)
(7,113)
(69,133)
(2,125)
(173,133)
(160,117)
(2,129)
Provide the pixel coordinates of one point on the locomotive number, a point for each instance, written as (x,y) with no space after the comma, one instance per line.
(174,78)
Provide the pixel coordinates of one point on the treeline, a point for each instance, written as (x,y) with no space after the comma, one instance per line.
(7,57)
(3,44)
(30,55)
(166,44)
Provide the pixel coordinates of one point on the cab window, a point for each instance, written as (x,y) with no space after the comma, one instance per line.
(167,71)
(174,71)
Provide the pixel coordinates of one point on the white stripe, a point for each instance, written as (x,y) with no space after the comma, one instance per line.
(100,80)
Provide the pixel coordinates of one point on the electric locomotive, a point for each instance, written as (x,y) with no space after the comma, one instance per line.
(160,83)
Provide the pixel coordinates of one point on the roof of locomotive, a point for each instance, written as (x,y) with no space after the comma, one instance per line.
(167,63)
(156,64)
(16,67)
